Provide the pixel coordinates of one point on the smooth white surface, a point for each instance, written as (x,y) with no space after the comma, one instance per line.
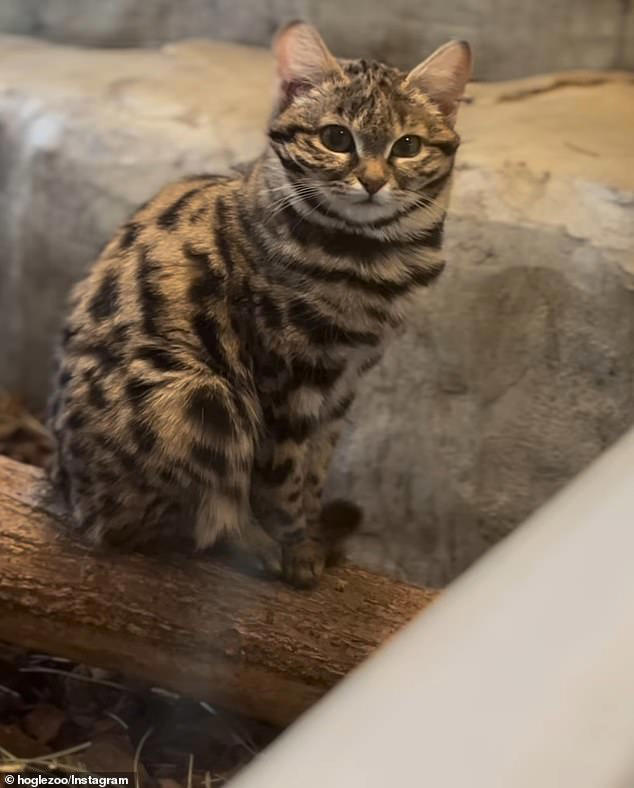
(520,676)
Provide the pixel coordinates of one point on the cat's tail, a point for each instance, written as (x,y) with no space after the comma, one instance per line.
(339,520)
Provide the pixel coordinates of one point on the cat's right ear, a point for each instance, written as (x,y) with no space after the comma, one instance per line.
(302,61)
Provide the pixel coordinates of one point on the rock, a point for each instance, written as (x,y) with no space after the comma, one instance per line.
(18,744)
(44,722)
(112,752)
(517,371)
(512,38)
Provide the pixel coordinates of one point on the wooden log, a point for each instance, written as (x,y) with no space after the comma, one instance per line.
(194,626)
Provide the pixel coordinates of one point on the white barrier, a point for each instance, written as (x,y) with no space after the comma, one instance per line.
(520,676)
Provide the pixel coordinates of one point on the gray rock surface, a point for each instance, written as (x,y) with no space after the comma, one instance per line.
(512,38)
(518,368)
(516,375)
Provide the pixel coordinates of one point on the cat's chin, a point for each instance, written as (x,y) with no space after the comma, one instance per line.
(360,211)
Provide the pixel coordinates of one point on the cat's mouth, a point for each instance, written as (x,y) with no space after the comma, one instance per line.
(364,206)
(381,198)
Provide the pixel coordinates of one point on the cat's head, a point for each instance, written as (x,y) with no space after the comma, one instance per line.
(361,139)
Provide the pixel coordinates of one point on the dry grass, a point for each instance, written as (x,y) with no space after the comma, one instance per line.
(76,719)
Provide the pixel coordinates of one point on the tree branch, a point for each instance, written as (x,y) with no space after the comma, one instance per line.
(194,626)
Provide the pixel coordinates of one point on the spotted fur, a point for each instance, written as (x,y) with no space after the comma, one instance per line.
(213,351)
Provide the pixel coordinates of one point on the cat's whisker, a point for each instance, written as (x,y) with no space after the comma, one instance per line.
(293,198)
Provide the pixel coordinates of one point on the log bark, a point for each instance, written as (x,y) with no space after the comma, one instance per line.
(194,626)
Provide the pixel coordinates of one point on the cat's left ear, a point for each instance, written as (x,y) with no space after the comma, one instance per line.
(302,60)
(444,75)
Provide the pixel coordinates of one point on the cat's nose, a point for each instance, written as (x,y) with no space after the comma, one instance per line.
(372,175)
(371,183)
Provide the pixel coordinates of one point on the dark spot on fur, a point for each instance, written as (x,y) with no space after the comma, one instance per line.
(199,214)
(276,475)
(119,335)
(68,334)
(448,147)
(289,164)
(169,219)
(423,277)
(221,234)
(209,457)
(160,358)
(270,365)
(323,331)
(105,301)
(96,396)
(75,420)
(271,312)
(126,460)
(285,428)
(150,298)
(209,283)
(138,390)
(105,356)
(130,234)
(208,411)
(62,479)
(143,435)
(108,506)
(208,332)
(316,374)
(288,133)
(434,235)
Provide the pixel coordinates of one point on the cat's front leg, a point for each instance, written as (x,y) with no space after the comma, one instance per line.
(278,503)
(317,462)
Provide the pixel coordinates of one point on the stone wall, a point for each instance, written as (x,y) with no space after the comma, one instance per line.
(512,38)
(518,369)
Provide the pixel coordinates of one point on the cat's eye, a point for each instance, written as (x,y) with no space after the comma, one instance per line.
(337,138)
(406,146)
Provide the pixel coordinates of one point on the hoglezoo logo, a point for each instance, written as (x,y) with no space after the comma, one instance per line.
(100,780)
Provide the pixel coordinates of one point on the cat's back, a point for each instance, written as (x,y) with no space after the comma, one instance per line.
(150,316)
(145,279)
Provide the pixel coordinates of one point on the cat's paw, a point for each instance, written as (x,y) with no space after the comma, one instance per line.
(303,563)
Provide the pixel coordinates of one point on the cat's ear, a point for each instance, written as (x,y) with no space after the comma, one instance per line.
(444,75)
(302,60)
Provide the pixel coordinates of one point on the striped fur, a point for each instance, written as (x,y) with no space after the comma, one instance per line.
(212,352)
